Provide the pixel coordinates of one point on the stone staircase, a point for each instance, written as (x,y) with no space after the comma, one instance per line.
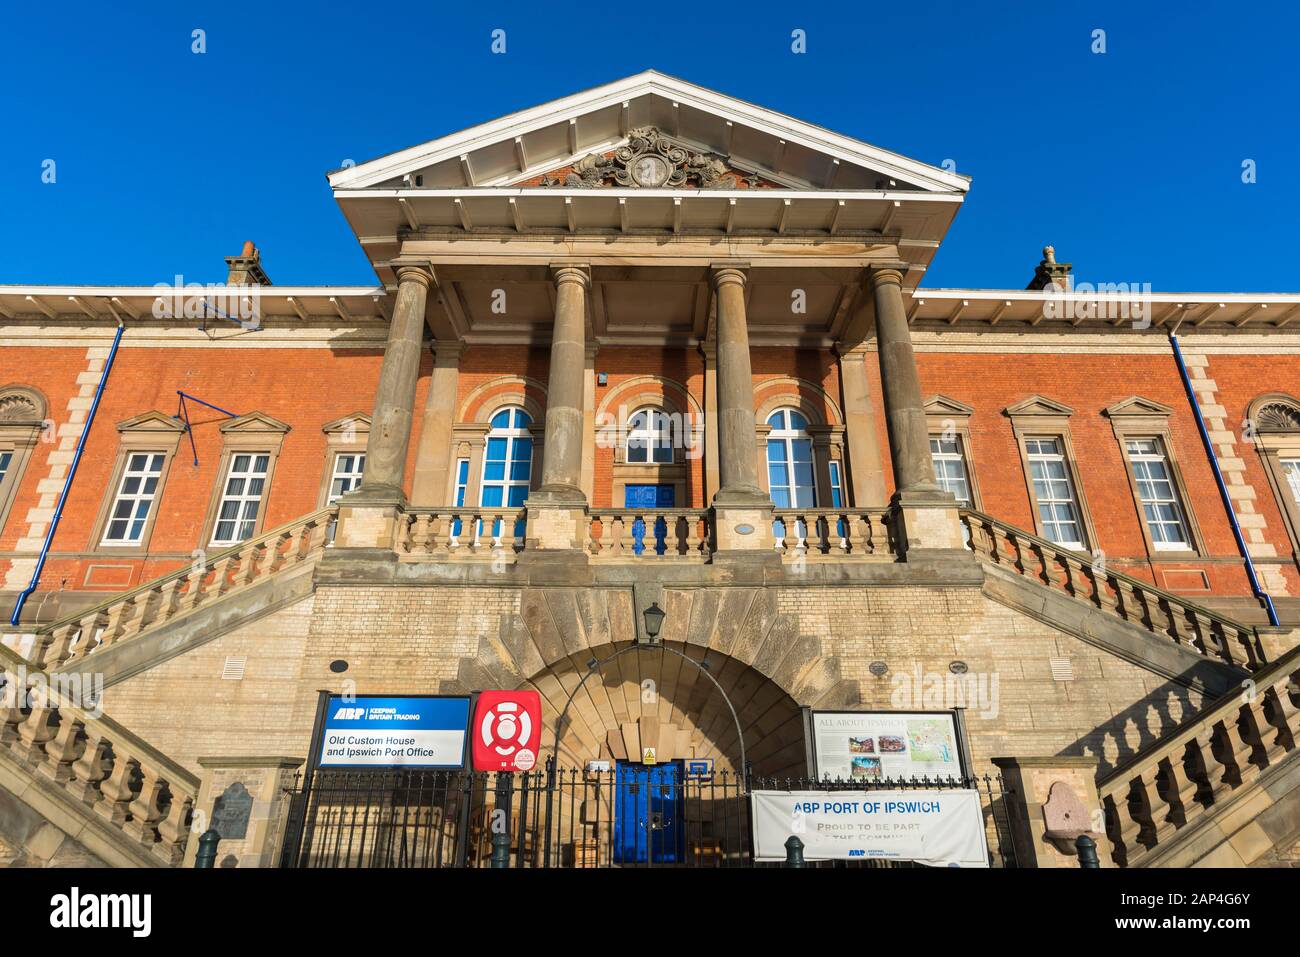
(125,803)
(1133,619)
(84,779)
(1222,789)
(137,629)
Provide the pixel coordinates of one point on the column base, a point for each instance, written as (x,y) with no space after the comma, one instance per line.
(370,517)
(565,495)
(926,522)
(556,525)
(742,527)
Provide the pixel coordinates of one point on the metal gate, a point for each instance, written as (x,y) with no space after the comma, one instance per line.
(661,816)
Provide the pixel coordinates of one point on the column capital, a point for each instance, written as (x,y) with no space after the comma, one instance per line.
(571,272)
(888,274)
(723,273)
(447,352)
(413,272)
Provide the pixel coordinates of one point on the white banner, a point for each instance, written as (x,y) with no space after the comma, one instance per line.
(941,828)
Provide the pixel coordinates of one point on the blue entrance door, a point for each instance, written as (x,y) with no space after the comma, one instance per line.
(649,497)
(649,803)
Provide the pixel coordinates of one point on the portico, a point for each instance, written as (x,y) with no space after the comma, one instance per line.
(652,215)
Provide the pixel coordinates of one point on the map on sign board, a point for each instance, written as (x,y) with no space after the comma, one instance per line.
(867,746)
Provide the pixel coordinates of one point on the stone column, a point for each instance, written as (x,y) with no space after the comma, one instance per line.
(709,351)
(557,508)
(432,485)
(368,516)
(741,512)
(866,470)
(589,423)
(925,516)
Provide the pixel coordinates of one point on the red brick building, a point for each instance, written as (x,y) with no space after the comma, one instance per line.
(651,350)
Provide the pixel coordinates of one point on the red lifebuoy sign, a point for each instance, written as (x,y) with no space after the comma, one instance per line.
(507,730)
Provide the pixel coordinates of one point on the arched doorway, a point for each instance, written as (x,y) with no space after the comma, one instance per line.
(653,697)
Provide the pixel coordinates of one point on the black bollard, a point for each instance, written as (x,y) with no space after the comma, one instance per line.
(1087,849)
(500,850)
(794,852)
(206,858)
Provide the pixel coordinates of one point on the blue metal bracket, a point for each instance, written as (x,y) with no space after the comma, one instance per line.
(183,413)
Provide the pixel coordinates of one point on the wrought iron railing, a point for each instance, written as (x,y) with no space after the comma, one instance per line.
(568,818)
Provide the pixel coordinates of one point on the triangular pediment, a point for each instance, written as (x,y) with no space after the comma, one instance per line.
(942,405)
(152,421)
(749,140)
(1038,405)
(1136,405)
(255,422)
(357,422)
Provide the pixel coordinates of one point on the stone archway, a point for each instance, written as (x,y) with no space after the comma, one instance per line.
(755,652)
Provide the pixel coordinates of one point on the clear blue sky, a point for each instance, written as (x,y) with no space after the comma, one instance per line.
(1129,162)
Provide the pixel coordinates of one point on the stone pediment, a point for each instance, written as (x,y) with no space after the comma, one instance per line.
(1136,405)
(255,422)
(942,405)
(152,421)
(1038,405)
(575,136)
(652,160)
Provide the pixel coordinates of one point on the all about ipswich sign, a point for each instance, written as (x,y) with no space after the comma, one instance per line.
(415,731)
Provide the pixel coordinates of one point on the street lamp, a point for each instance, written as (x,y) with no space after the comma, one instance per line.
(654,619)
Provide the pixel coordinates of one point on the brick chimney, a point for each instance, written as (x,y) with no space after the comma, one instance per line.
(1049,271)
(246,268)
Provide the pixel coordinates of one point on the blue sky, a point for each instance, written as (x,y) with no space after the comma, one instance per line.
(1129,162)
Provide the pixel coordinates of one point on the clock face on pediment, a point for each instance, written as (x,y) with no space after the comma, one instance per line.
(649,169)
(651,160)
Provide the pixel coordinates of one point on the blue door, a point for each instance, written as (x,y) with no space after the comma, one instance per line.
(648,808)
(649,497)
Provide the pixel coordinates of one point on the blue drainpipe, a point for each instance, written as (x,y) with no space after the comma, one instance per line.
(1223,487)
(67,483)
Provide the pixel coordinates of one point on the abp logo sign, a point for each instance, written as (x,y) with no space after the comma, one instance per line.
(507,730)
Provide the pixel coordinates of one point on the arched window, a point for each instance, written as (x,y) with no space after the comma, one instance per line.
(507,460)
(790,460)
(650,438)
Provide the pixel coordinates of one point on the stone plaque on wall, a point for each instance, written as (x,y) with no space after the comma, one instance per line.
(231,811)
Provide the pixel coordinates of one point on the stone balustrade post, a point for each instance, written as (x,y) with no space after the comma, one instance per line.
(246,800)
(1050,802)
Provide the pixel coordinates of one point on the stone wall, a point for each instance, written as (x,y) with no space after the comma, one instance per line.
(815,642)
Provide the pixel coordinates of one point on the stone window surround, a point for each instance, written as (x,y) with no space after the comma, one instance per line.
(940,409)
(1139,418)
(344,436)
(19,435)
(253,432)
(625,473)
(149,432)
(1041,417)
(1274,444)
(828,444)
(469,441)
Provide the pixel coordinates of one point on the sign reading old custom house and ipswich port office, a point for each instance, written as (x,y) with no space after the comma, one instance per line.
(377,731)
